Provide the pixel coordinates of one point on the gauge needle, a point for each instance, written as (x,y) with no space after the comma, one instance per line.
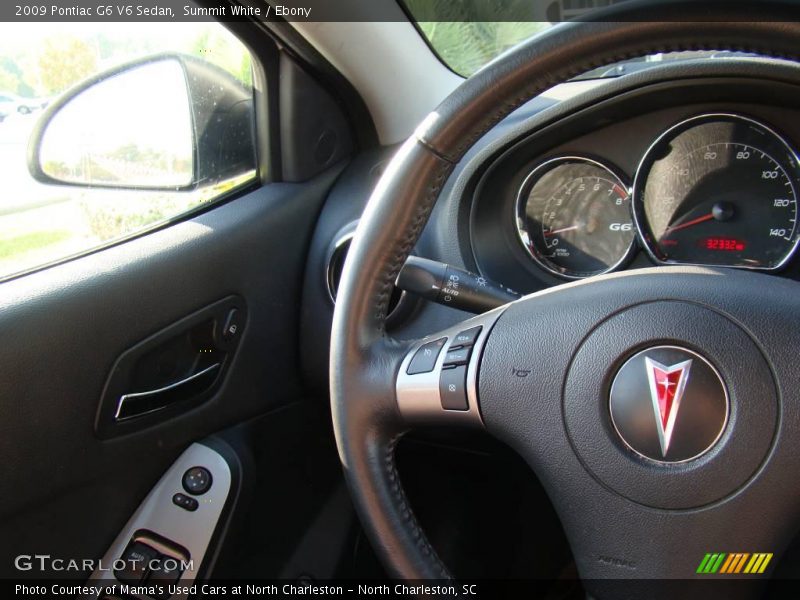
(620,192)
(562,230)
(702,219)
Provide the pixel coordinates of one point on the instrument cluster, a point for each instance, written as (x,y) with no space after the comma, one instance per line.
(716,189)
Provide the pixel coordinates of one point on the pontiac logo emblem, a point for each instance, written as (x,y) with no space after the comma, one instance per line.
(668,404)
(667,385)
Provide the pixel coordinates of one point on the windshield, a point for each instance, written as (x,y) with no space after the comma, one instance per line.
(466,46)
(465,38)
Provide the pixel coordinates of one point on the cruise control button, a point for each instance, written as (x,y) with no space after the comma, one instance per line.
(468,337)
(453,388)
(459,356)
(425,358)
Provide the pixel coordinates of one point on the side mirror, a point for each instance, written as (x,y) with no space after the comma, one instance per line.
(165,122)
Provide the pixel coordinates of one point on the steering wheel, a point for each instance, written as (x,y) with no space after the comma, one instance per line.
(544,373)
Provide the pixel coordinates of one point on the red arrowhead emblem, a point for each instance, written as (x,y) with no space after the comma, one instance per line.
(667,384)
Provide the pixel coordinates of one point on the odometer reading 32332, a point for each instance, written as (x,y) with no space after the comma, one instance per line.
(574,219)
(719,190)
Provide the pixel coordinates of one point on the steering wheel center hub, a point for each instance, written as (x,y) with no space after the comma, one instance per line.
(654,420)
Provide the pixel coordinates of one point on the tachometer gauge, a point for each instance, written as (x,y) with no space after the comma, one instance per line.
(574,219)
(719,190)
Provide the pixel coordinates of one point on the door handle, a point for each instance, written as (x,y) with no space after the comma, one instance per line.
(142,403)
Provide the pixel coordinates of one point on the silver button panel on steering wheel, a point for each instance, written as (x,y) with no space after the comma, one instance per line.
(437,381)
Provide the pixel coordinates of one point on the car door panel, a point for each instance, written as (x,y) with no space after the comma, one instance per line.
(67,493)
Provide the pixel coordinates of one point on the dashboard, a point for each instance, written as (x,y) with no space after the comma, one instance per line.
(692,163)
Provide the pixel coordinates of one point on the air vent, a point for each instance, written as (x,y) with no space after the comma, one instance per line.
(338,255)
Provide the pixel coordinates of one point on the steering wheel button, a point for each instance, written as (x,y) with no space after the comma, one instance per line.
(453,388)
(425,358)
(197,481)
(468,337)
(459,356)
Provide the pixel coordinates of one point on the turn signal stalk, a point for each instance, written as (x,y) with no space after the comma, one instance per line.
(447,285)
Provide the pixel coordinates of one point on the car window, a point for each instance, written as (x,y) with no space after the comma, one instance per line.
(132,149)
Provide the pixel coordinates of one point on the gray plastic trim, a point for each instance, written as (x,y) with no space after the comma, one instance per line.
(157,514)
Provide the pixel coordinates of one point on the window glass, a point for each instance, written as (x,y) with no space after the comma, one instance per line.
(467,34)
(466,46)
(122,156)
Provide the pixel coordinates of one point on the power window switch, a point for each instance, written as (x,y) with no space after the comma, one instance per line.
(136,560)
(166,572)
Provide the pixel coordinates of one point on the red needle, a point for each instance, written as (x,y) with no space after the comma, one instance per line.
(702,219)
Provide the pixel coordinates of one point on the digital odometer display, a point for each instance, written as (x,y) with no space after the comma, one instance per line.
(574,217)
(724,244)
(719,190)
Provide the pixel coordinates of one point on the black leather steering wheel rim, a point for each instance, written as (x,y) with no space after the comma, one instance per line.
(364,360)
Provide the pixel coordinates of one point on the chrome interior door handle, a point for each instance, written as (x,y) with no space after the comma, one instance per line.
(142,403)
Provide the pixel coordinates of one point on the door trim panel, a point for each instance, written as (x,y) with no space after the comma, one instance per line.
(64,327)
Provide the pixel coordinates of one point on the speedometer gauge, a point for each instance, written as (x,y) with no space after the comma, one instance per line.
(719,190)
(574,219)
